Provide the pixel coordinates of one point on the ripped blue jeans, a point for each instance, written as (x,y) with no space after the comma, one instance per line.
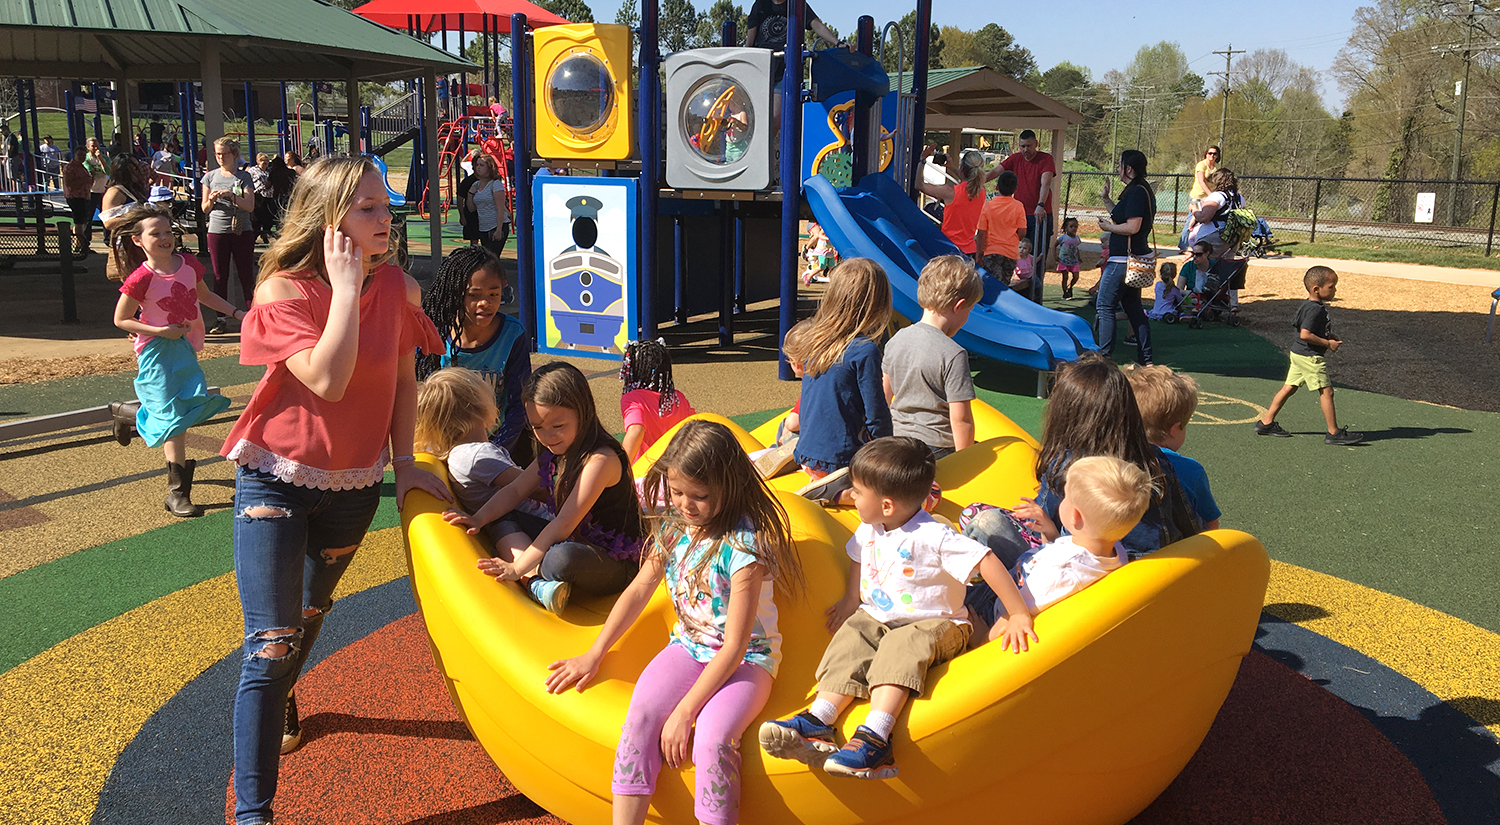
(291,546)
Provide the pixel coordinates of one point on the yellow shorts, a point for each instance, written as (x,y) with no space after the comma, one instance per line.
(1310,371)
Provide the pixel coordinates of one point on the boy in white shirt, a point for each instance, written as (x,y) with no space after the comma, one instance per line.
(1103,499)
(902,613)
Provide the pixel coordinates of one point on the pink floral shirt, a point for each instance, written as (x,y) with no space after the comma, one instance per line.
(168,298)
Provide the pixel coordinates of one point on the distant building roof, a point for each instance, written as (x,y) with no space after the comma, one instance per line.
(979,97)
(164,40)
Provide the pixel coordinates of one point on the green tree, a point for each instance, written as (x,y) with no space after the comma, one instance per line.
(678,25)
(997,49)
(629,14)
(573,11)
(710,27)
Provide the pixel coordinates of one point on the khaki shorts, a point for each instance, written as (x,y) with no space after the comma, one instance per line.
(1310,371)
(865,652)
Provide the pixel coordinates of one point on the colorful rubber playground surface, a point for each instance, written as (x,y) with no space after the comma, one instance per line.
(1372,693)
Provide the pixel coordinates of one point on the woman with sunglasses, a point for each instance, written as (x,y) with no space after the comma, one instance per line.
(1201,171)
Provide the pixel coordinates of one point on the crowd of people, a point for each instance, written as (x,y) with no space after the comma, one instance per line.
(363,370)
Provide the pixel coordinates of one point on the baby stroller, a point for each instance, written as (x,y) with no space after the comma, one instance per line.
(1212,302)
(1262,241)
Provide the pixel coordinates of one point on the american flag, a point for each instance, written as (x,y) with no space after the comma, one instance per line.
(86,104)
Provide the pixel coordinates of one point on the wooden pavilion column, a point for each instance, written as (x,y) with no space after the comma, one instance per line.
(1058,136)
(351,94)
(213,98)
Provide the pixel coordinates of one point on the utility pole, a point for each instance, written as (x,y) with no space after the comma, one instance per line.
(1114,132)
(1462,93)
(1229,53)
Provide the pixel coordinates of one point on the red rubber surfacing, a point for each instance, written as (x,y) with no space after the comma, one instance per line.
(383,744)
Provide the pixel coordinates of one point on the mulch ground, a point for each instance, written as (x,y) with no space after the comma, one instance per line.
(383,744)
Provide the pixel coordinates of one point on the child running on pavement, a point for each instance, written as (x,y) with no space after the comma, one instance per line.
(902,613)
(1315,338)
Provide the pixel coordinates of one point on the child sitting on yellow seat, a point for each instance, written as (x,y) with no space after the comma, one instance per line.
(1104,499)
(902,613)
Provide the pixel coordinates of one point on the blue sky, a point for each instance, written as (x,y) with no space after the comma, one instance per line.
(1105,35)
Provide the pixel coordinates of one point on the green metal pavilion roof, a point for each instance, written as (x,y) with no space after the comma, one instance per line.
(164,40)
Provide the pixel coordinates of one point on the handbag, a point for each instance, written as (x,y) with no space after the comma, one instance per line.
(1140,270)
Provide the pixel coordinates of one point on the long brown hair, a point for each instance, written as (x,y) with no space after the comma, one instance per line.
(971,167)
(708,453)
(856,305)
(1092,411)
(126,255)
(560,384)
(321,197)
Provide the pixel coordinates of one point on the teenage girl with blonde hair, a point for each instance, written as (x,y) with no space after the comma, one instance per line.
(337,326)
(723,546)
(843,401)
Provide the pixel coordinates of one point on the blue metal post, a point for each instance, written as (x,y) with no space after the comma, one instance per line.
(862,128)
(36,131)
(250,120)
(919,88)
(520,112)
(98,124)
(28,147)
(679,273)
(791,175)
(73,141)
(366,135)
(739,259)
(286,124)
(649,105)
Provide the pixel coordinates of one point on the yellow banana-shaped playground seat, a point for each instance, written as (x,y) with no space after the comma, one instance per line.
(1088,727)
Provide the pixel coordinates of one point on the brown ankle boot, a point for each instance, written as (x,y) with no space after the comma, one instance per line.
(123,413)
(180,490)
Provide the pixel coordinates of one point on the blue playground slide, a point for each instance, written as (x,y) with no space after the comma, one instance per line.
(397,199)
(877,220)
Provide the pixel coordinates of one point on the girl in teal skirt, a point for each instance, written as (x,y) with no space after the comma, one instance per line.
(159,307)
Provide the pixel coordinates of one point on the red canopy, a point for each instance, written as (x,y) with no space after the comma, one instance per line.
(434,15)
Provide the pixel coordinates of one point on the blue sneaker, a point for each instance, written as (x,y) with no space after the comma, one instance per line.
(866,756)
(551,595)
(802,737)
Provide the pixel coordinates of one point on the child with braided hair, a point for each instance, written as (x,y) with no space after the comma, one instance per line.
(464,304)
(649,403)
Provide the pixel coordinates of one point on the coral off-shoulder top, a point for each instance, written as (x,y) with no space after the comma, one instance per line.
(291,433)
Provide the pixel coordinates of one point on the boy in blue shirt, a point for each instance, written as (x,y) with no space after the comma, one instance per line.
(1167,400)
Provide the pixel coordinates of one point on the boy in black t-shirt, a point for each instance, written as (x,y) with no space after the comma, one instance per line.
(1314,338)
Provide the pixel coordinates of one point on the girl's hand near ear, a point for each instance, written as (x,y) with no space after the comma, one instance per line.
(344,261)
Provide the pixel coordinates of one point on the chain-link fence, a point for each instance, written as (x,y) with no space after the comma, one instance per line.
(1373,213)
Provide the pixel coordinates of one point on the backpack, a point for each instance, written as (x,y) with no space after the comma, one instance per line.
(1237,223)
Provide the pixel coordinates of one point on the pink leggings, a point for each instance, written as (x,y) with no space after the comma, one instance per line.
(716,734)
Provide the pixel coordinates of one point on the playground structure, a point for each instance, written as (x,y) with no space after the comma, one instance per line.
(571,92)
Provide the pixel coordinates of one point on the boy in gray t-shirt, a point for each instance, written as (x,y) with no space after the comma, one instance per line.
(927,380)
